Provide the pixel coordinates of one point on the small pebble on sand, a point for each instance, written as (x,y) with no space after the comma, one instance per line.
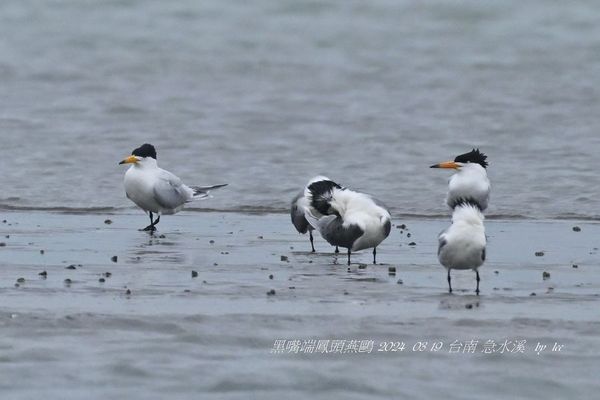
(68,281)
(114,259)
(107,221)
(284,258)
(539,253)
(211,241)
(42,251)
(575,266)
(496,272)
(271,276)
(72,266)
(362,266)
(2,244)
(101,280)
(194,274)
(408,235)
(576,229)
(468,306)
(271,292)
(21,280)
(532,294)
(403,226)
(260,237)
(545,275)
(43,274)
(400,282)
(162,237)
(412,244)
(128,292)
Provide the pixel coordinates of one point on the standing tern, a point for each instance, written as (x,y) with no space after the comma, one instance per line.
(297,210)
(462,245)
(156,190)
(346,218)
(470,182)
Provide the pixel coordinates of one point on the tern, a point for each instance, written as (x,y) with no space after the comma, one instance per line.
(346,218)
(297,211)
(470,182)
(156,190)
(462,245)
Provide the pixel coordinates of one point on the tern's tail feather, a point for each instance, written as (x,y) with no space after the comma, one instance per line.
(202,192)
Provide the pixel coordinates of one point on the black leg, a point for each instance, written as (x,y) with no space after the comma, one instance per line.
(349,255)
(311,241)
(477,277)
(374,255)
(337,250)
(157,220)
(449,284)
(151,227)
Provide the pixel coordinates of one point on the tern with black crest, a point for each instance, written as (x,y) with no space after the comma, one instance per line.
(298,209)
(346,218)
(156,190)
(462,245)
(470,182)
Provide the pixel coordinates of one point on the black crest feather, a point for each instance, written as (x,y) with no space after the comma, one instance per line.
(321,195)
(145,150)
(474,156)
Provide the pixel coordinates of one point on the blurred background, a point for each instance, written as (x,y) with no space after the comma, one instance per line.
(265,94)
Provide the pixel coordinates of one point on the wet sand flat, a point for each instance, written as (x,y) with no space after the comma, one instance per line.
(178,335)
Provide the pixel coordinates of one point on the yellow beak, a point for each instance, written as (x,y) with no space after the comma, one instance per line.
(129,160)
(446,164)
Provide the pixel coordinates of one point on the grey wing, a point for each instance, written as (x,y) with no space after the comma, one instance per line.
(442,241)
(332,228)
(170,192)
(297,215)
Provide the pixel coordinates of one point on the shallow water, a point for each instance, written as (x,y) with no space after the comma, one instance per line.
(179,336)
(265,94)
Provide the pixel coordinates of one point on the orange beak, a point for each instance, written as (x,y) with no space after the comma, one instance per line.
(446,164)
(129,160)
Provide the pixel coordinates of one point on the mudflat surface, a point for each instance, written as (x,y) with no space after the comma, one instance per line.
(177,335)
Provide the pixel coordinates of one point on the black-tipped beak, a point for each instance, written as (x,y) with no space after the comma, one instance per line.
(447,165)
(129,160)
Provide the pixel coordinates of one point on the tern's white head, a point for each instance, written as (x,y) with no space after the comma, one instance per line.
(143,156)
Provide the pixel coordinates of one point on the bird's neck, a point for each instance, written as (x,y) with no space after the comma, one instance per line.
(149,163)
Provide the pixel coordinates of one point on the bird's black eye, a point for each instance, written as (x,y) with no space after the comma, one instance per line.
(145,150)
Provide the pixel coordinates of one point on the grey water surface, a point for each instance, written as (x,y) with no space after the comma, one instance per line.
(265,94)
